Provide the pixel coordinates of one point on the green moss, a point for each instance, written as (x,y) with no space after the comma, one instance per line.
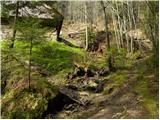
(56,57)
(147,67)
(52,56)
(18,101)
(24,105)
(99,62)
(149,100)
(119,77)
(21,103)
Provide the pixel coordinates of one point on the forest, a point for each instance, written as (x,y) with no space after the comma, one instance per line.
(79,59)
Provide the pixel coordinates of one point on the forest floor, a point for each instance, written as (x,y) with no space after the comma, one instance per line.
(129,92)
(126,94)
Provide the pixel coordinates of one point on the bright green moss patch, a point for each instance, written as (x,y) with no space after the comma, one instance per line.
(57,57)
(52,56)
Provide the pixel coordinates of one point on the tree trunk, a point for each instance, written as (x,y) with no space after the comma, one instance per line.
(137,21)
(59,20)
(106,29)
(130,26)
(120,26)
(125,29)
(59,26)
(115,30)
(14,26)
(86,46)
(86,41)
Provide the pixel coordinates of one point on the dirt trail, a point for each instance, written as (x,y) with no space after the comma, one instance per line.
(122,103)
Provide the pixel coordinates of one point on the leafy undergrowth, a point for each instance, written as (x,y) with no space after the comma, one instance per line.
(17,100)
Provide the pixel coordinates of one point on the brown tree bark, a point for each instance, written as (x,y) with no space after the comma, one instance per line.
(58,28)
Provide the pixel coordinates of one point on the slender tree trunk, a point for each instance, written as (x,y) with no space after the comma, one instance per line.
(135,26)
(14,26)
(127,39)
(86,47)
(120,26)
(59,19)
(29,66)
(125,30)
(137,21)
(108,40)
(59,26)
(115,30)
(130,26)
(86,18)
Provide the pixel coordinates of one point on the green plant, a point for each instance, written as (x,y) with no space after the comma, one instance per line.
(118,56)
